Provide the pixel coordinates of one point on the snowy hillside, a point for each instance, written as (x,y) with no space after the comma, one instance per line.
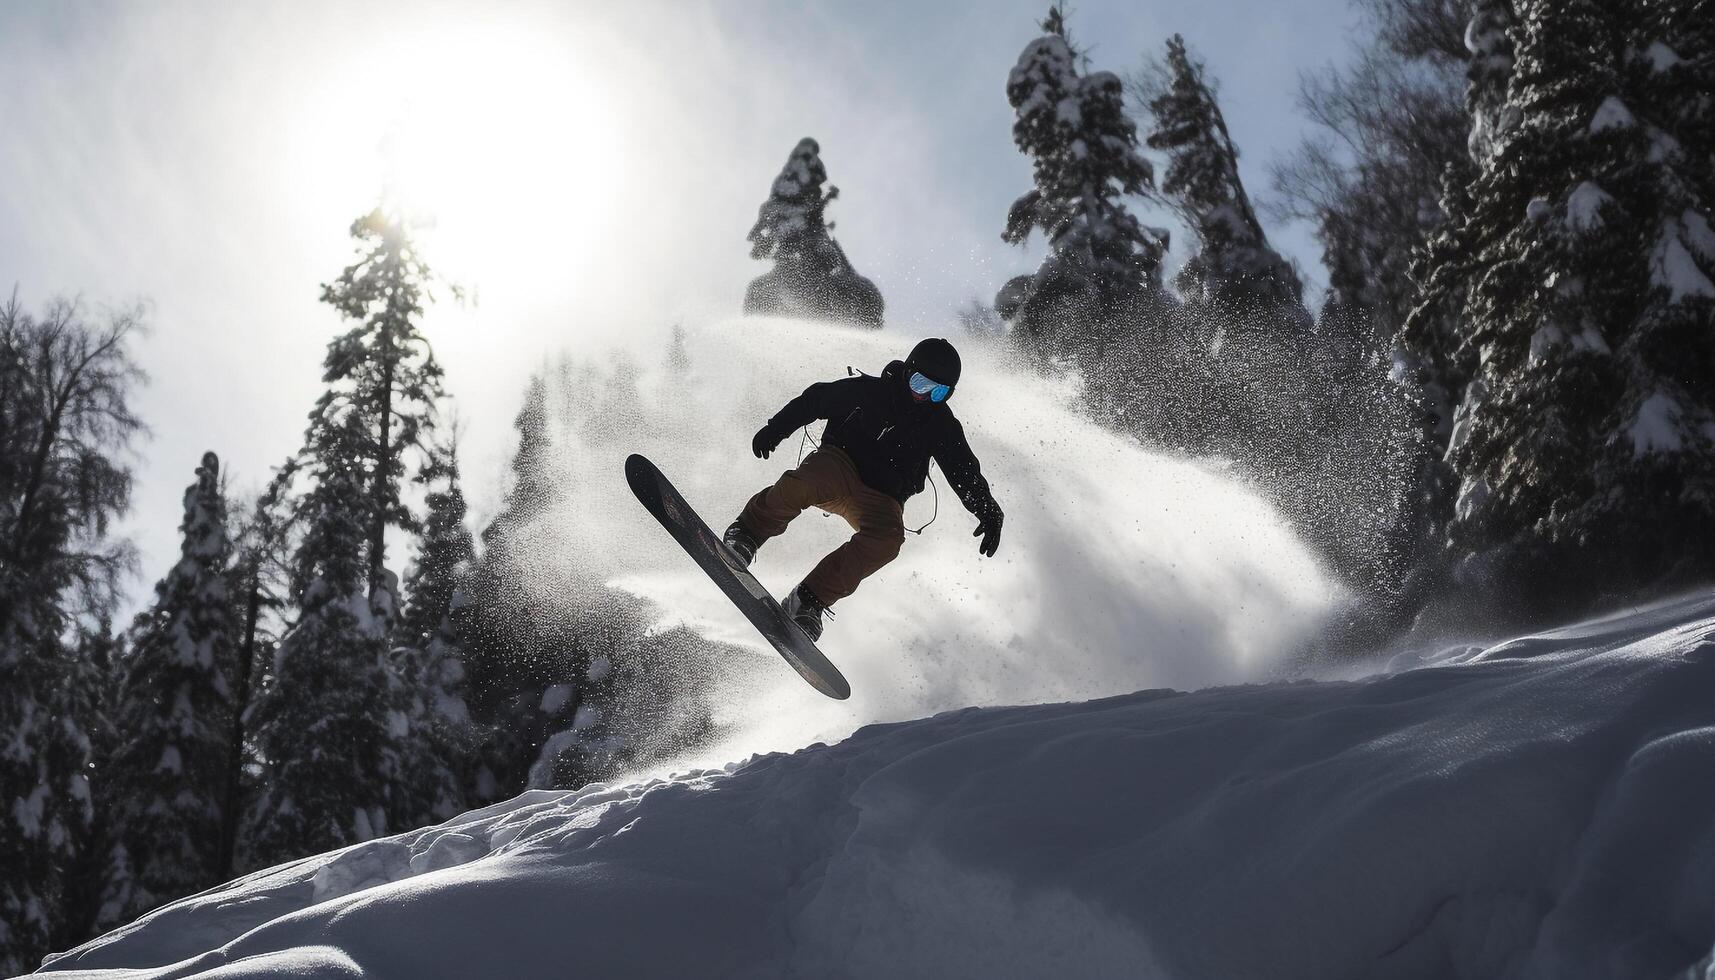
(1540,808)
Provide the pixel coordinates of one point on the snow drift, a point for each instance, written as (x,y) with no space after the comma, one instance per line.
(1541,808)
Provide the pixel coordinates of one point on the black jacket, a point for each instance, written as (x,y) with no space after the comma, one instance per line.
(890,436)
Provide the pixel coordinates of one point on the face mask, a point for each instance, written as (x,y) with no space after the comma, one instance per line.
(923,387)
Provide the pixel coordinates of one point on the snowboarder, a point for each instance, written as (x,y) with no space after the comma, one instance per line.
(875,453)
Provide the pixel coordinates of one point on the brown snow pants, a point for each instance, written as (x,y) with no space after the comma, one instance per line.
(827,479)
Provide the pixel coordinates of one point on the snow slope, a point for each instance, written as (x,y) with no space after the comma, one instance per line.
(1541,808)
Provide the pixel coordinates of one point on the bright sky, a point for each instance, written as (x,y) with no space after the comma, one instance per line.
(592,169)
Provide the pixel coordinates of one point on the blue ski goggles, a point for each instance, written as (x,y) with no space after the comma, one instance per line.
(924,387)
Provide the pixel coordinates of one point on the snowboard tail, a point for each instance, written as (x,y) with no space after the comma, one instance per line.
(660,498)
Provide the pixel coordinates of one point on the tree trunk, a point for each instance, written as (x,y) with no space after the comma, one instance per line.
(230,815)
(383,463)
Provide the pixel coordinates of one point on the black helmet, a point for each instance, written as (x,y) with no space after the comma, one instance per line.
(937,359)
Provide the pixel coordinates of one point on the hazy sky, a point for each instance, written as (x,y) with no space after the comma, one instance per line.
(593,169)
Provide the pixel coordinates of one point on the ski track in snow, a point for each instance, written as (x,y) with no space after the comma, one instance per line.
(1541,808)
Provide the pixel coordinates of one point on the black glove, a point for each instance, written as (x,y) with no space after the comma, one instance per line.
(764,442)
(989,529)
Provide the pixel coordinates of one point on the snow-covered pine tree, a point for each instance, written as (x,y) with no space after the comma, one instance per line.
(496,630)
(1390,126)
(642,696)
(1430,351)
(331,725)
(168,783)
(1085,297)
(1241,298)
(258,582)
(1584,442)
(1369,472)
(382,369)
(811,276)
(564,678)
(1489,37)
(1392,132)
(791,224)
(502,623)
(1234,269)
(439,762)
(65,427)
(445,549)
(1678,38)
(100,885)
(1658,487)
(1294,406)
(1429,354)
(579,731)
(536,483)
(1446,264)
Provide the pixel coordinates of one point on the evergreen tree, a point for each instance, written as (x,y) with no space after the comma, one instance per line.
(636,697)
(332,726)
(1242,300)
(1493,115)
(1234,269)
(1447,260)
(169,780)
(258,584)
(1678,48)
(536,483)
(329,728)
(1655,497)
(811,276)
(445,550)
(65,385)
(1390,126)
(1392,134)
(1310,414)
(438,766)
(100,885)
(1583,440)
(579,733)
(1431,356)
(565,680)
(1101,261)
(1367,476)
(65,425)
(505,625)
(381,371)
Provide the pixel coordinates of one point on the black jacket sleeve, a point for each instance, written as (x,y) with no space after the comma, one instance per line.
(801,411)
(965,473)
(819,401)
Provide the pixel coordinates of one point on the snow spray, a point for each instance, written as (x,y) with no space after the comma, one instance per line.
(1119,568)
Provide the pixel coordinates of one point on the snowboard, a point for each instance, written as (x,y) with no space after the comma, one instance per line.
(659,497)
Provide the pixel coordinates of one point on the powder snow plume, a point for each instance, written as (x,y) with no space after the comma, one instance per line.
(1119,568)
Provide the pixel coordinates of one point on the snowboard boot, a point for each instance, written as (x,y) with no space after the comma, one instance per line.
(741,546)
(803,608)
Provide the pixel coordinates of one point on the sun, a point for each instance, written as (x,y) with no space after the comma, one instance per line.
(494,137)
